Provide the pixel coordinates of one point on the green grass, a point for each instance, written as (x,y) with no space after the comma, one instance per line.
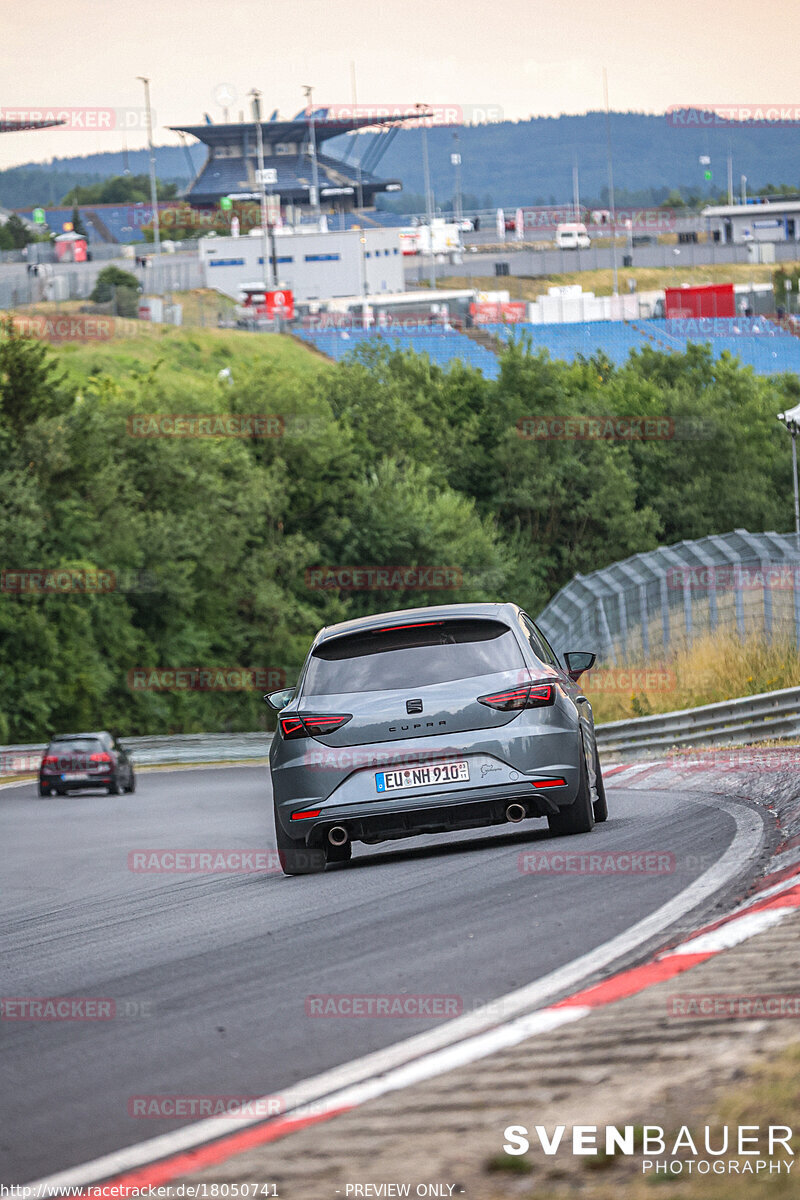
(192,352)
(714,668)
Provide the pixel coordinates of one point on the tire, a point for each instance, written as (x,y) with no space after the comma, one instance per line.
(132,786)
(578,817)
(43,791)
(600,805)
(114,789)
(295,856)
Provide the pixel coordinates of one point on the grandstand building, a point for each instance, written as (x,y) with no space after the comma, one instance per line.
(290,148)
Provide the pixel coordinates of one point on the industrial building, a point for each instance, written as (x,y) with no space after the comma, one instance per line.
(756,221)
(313,265)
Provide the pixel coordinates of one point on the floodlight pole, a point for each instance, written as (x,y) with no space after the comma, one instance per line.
(611,185)
(457,201)
(792,422)
(262,190)
(428,196)
(793,432)
(153,186)
(314,165)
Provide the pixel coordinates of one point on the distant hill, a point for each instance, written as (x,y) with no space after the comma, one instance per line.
(531,161)
(47,183)
(507,163)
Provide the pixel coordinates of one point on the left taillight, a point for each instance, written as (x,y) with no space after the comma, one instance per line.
(528,695)
(50,762)
(312,725)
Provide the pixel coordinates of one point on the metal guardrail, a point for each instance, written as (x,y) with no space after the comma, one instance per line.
(728,723)
(153,751)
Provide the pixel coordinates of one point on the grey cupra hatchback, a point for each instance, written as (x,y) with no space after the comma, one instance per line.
(428,720)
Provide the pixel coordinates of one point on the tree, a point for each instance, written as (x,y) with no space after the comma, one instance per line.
(121,287)
(120,189)
(77,222)
(14,234)
(31,384)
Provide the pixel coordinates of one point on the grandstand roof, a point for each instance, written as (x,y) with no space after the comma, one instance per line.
(282,131)
(21,126)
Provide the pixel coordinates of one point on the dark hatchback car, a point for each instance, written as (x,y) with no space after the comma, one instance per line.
(74,761)
(430,720)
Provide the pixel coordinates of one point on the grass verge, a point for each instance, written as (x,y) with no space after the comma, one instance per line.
(714,668)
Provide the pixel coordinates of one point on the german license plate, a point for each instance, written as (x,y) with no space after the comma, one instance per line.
(72,778)
(430,775)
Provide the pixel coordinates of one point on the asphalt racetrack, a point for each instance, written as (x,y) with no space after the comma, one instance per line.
(209,974)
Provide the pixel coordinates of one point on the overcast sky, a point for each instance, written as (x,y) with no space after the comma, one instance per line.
(517,57)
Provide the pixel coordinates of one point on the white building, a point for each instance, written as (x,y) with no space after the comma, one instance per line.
(772,221)
(314,265)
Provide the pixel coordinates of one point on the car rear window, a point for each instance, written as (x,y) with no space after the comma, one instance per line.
(411,656)
(80,745)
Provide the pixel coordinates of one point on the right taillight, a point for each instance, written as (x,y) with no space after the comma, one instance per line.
(310,725)
(528,695)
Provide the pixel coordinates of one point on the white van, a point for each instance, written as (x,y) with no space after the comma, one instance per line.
(572,236)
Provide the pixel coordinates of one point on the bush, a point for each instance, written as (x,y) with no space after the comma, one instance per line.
(109,279)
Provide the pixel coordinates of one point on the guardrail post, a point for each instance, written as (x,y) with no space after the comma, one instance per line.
(623,618)
(606,631)
(767,594)
(664,612)
(687,607)
(738,600)
(713,615)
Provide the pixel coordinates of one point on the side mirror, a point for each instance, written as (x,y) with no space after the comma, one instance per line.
(279,700)
(579,661)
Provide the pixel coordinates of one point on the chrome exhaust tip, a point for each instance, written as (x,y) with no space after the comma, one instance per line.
(338,835)
(515,812)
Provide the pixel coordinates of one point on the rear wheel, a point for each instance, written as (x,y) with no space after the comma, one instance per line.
(600,805)
(44,790)
(114,789)
(579,816)
(132,785)
(296,857)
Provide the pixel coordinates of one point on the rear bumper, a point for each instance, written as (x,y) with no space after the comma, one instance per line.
(409,816)
(76,785)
